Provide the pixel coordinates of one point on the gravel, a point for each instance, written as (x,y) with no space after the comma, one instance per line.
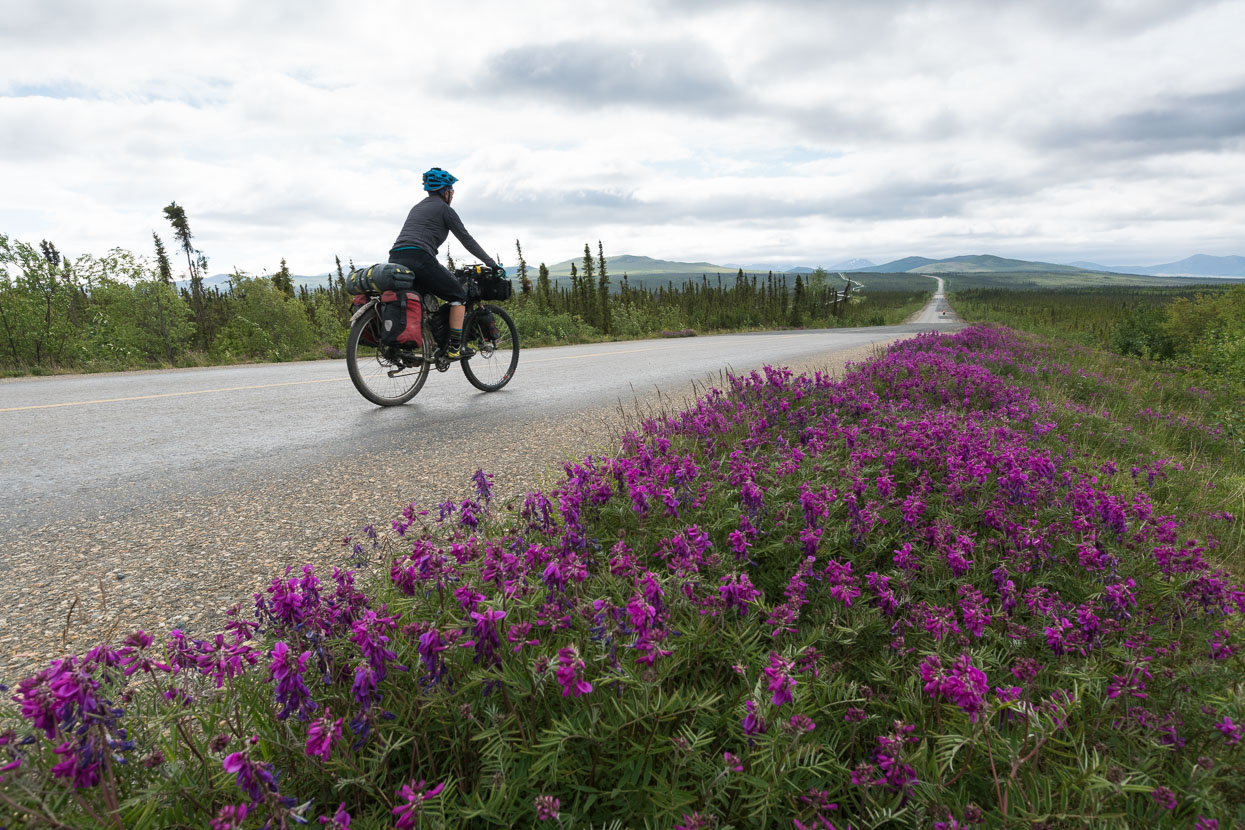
(67,587)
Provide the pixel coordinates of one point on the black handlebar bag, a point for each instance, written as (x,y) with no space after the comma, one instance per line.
(492,288)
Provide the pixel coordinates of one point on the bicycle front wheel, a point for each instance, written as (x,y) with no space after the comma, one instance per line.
(385,375)
(493,364)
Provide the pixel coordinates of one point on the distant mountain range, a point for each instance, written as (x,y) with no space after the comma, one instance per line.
(648,269)
(980,264)
(643,266)
(221,281)
(1198,265)
(634,266)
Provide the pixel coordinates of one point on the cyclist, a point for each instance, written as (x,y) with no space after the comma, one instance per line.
(426,227)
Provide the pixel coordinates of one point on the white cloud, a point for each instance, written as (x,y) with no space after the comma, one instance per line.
(726,131)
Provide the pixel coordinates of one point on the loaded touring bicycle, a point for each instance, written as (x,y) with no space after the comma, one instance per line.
(398,334)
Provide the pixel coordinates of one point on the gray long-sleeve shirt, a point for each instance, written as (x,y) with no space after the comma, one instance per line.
(430,222)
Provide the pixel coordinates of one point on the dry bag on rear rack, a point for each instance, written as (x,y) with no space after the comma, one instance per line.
(401,318)
(383,276)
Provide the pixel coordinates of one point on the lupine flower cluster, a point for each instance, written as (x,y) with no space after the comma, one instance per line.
(896,591)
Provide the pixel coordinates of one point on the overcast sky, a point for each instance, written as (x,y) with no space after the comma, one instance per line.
(734,132)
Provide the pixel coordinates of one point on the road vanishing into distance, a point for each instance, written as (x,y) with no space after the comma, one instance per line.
(123,489)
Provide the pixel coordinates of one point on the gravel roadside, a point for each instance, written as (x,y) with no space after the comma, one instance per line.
(66,587)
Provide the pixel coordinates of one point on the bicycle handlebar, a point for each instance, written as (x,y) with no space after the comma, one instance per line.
(477,270)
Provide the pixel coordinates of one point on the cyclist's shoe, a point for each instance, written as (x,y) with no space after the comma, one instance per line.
(459,351)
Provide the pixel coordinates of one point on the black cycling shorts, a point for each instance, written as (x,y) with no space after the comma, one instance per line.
(431,277)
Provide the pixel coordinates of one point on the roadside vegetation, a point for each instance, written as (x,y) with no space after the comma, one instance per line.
(1196,325)
(119,311)
(1196,330)
(986,579)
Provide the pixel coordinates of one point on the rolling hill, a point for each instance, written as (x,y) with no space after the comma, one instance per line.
(1198,265)
(641,266)
(979,264)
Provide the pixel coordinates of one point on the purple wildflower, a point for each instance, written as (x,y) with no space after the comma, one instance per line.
(781,680)
(752,722)
(964,684)
(340,819)
(484,485)
(414,795)
(569,674)
(431,644)
(320,735)
(255,779)
(1164,797)
(547,807)
(1231,732)
(737,591)
(291,691)
(485,637)
(230,817)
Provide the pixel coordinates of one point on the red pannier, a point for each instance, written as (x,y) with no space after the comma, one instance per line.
(368,338)
(401,319)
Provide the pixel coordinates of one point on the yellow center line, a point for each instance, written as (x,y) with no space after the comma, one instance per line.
(170,394)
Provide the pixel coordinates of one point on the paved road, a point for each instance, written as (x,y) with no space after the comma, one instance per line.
(95,446)
(937,311)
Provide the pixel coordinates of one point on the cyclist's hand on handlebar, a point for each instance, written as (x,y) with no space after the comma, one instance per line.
(499,271)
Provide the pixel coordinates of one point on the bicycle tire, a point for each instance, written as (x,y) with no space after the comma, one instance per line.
(489,369)
(375,370)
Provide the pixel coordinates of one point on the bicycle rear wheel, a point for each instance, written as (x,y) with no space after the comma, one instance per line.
(385,375)
(493,364)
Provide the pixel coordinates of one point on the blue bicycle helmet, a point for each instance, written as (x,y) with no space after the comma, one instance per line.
(437,179)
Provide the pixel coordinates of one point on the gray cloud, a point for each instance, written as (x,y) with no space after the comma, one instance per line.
(1109,15)
(1187,123)
(61,21)
(572,207)
(682,73)
(899,199)
(1099,16)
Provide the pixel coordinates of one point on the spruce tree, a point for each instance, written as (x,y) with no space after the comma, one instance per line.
(544,295)
(797,302)
(176,215)
(588,287)
(50,253)
(339,294)
(603,288)
(162,260)
(282,280)
(525,285)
